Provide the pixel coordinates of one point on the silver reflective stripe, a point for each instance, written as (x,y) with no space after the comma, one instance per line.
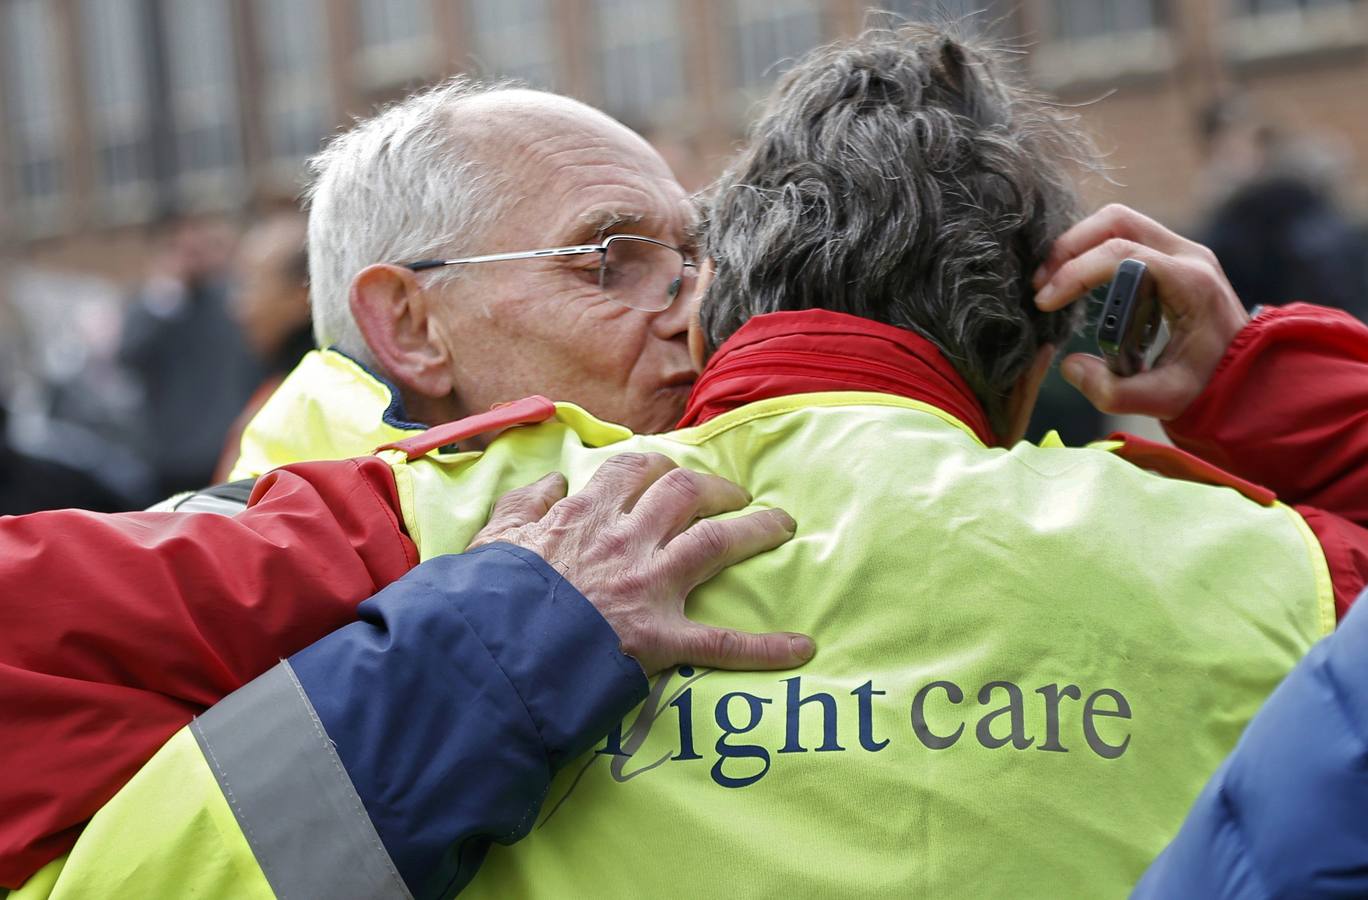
(170,503)
(286,785)
(208,503)
(227,499)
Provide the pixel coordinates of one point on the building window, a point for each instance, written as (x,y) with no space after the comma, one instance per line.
(513,39)
(641,69)
(34,103)
(398,41)
(1260,28)
(1077,20)
(1090,39)
(296,95)
(203,93)
(117,52)
(771,32)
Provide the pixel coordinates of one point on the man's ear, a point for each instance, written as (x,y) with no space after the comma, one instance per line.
(698,344)
(391,309)
(1021,403)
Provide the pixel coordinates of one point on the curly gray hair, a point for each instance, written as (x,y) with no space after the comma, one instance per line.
(901,176)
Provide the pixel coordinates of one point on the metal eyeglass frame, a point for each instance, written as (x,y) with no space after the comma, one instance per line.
(423,265)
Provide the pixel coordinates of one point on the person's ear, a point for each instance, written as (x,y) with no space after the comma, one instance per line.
(392,311)
(698,344)
(1021,402)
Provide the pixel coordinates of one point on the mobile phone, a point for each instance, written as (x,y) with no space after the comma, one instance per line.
(1130,320)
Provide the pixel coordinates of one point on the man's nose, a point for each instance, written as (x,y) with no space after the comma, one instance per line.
(672,323)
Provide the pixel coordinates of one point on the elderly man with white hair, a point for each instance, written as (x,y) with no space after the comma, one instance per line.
(474,245)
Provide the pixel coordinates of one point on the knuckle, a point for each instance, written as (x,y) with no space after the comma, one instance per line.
(636,586)
(722,645)
(1118,213)
(629,461)
(1071,275)
(658,460)
(625,463)
(574,507)
(615,542)
(1121,247)
(685,484)
(1208,256)
(710,539)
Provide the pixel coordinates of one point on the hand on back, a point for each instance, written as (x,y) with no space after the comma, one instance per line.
(636,540)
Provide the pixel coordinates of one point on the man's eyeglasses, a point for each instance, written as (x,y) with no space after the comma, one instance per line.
(638,272)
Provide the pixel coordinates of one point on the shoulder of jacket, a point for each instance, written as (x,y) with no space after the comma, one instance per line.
(1172,462)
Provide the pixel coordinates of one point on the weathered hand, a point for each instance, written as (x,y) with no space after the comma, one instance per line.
(1202,310)
(636,540)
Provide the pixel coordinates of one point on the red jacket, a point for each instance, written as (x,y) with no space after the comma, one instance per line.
(116,629)
(190,606)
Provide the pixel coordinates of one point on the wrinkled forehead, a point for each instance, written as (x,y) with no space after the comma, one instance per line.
(572,173)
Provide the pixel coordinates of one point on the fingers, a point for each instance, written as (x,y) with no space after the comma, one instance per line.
(520,507)
(1113,221)
(1162,392)
(711,545)
(1092,269)
(724,648)
(681,496)
(622,479)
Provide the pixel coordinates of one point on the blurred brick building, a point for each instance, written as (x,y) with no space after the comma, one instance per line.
(114,113)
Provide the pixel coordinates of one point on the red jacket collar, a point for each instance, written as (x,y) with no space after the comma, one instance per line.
(814,350)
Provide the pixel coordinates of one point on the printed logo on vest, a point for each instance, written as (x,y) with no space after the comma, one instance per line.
(940,716)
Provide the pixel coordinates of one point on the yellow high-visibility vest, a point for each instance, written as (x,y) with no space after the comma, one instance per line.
(329,407)
(1029,662)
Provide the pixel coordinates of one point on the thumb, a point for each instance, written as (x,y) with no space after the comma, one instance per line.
(1092,378)
(726,648)
(1162,392)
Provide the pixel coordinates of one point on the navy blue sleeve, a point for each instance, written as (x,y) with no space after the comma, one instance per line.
(1284,815)
(464,687)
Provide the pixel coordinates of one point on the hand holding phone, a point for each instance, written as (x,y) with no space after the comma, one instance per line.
(1202,313)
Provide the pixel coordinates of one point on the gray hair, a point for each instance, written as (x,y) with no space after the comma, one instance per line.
(904,178)
(398,187)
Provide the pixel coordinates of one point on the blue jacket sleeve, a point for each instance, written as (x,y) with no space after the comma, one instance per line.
(464,687)
(1284,814)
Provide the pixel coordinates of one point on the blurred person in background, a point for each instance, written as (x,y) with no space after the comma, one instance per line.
(270,302)
(187,354)
(1277,226)
(30,482)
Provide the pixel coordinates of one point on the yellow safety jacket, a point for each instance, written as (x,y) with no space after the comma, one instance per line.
(329,407)
(1029,662)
